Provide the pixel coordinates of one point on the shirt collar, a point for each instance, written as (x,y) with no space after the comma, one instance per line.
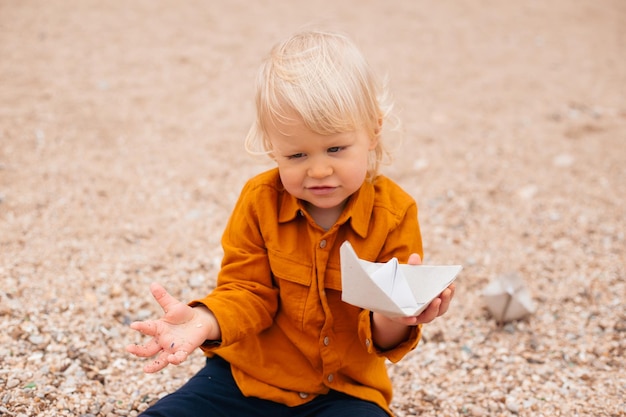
(290,207)
(358,210)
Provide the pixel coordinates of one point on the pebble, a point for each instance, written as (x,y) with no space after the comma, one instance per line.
(36,339)
(107,409)
(563,160)
(12,383)
(197,281)
(476,411)
(512,405)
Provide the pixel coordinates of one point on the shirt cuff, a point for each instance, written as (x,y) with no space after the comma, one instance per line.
(394,354)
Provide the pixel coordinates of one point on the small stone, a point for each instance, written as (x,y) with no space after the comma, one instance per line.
(476,411)
(512,405)
(197,281)
(36,339)
(528,192)
(107,409)
(563,160)
(144,314)
(12,383)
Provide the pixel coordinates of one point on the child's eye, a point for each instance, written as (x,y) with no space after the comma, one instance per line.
(295,156)
(334,149)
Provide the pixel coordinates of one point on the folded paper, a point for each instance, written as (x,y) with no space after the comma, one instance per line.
(391,288)
(507,298)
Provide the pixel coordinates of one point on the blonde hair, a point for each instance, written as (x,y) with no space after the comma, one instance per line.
(324,79)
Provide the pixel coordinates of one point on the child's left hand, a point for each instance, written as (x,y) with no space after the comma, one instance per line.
(438,307)
(389,331)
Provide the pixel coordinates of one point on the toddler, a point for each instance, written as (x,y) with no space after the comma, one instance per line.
(279,340)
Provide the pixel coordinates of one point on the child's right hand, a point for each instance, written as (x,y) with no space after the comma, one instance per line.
(175,335)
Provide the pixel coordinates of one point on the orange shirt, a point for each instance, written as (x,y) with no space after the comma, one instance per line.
(285,331)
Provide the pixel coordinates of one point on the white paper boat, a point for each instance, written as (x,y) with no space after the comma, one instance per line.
(507,298)
(391,288)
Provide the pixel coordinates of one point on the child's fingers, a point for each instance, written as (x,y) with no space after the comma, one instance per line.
(408,321)
(178,357)
(446,298)
(415,259)
(431,312)
(144,351)
(156,365)
(452,288)
(165,300)
(148,327)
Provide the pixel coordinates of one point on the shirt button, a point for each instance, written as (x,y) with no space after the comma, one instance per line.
(367,343)
(303,395)
(330,377)
(323,243)
(300,213)
(326,341)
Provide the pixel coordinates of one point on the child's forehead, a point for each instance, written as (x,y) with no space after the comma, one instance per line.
(298,128)
(294,125)
(319,120)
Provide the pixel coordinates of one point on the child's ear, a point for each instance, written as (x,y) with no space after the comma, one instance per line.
(373,143)
(374,140)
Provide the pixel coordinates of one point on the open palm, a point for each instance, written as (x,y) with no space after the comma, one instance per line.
(174,336)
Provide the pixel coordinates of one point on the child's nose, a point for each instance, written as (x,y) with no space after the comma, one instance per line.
(319,169)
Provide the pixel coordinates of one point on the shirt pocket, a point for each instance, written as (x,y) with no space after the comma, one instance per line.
(293,280)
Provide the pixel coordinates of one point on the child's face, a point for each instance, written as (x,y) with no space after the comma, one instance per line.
(323,170)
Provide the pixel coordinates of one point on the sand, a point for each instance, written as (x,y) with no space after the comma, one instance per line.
(121,156)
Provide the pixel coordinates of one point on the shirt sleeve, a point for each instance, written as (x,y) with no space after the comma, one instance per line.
(395,354)
(405,238)
(402,240)
(245,299)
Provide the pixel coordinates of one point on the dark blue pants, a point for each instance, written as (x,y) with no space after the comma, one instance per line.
(213,392)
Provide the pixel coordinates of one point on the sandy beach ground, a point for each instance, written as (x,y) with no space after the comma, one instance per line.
(121,156)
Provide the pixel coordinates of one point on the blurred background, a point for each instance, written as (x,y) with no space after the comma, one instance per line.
(121,156)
